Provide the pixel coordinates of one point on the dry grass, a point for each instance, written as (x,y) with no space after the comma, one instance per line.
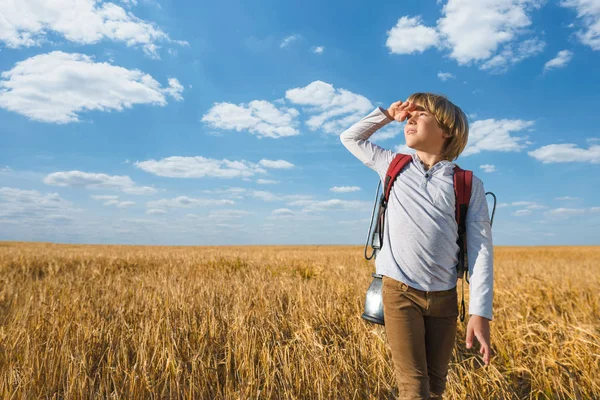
(272,323)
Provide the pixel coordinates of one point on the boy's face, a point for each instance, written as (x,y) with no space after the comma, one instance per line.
(423,133)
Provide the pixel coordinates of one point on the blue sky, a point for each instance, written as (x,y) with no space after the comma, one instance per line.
(155,122)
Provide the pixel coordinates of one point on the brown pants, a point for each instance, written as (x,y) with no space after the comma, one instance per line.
(421,332)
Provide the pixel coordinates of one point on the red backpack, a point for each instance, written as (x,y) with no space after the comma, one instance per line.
(462,189)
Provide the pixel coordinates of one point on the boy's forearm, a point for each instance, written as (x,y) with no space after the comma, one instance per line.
(355,137)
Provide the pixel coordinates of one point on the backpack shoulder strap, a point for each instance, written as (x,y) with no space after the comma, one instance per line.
(398,163)
(463,181)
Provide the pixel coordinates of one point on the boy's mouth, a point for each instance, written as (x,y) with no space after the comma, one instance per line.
(411,131)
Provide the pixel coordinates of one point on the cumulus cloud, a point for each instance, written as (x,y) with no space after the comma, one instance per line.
(288,40)
(119,204)
(220,215)
(258,117)
(560,61)
(344,189)
(19,205)
(56,87)
(530,205)
(113,201)
(496,135)
(511,55)
(89,180)
(333,109)
(186,202)
(488,167)
(330,205)
(489,33)
(319,50)
(200,167)
(26,23)
(155,211)
(566,152)
(266,181)
(444,76)
(521,213)
(588,13)
(403,149)
(565,212)
(411,36)
(475,29)
(390,131)
(282,211)
(276,164)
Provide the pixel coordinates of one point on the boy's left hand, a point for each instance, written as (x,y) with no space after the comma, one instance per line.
(479,327)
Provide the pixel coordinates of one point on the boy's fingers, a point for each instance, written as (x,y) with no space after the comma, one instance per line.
(485,347)
(485,350)
(469,339)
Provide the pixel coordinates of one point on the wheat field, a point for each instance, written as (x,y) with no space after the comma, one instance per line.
(272,322)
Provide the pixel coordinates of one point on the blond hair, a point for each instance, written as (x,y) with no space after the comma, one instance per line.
(449,117)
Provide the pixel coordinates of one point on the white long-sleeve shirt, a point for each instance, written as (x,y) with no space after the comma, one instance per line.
(420,232)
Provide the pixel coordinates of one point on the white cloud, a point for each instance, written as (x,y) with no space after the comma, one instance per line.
(530,205)
(509,56)
(258,117)
(240,193)
(283,211)
(410,36)
(403,149)
(269,196)
(119,204)
(335,109)
(103,197)
(26,23)
(565,212)
(319,50)
(227,214)
(560,61)
(288,40)
(488,33)
(566,152)
(344,189)
(277,164)
(390,131)
(444,76)
(266,181)
(588,11)
(155,211)
(56,87)
(97,181)
(199,167)
(475,29)
(330,205)
(566,198)
(113,201)
(495,135)
(521,213)
(18,206)
(186,202)
(265,195)
(488,167)
(231,192)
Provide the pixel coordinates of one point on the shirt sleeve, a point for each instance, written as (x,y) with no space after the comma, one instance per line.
(480,253)
(355,140)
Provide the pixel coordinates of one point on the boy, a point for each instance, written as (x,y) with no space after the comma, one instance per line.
(419,251)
